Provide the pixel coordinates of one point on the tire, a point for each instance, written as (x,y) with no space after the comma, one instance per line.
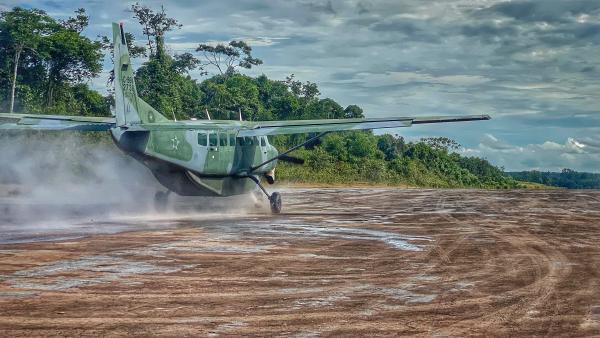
(270,179)
(275,201)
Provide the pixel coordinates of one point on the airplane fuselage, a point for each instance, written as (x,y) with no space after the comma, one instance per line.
(192,161)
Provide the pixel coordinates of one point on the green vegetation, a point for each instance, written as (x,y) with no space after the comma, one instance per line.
(361,157)
(567,178)
(44,64)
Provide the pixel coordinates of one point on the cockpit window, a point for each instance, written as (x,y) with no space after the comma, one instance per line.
(222,140)
(232,140)
(263,143)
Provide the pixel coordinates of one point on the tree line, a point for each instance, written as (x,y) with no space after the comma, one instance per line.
(46,64)
(567,178)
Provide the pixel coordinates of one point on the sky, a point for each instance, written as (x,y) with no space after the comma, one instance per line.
(534,66)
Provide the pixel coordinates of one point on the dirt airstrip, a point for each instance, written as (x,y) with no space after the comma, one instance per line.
(337,262)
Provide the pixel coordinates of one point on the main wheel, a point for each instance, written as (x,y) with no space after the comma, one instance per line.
(275,201)
(160,201)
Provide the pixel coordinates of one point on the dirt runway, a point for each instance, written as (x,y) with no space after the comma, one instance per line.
(337,262)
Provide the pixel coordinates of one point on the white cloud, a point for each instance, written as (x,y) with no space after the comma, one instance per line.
(399,78)
(548,155)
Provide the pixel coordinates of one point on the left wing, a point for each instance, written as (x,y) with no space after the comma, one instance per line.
(54,122)
(312,126)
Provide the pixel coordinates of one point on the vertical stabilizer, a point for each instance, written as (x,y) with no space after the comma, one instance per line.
(129,108)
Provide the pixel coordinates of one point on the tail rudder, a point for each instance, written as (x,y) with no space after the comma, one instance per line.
(129,108)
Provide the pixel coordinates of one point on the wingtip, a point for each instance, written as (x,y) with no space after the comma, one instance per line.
(486,117)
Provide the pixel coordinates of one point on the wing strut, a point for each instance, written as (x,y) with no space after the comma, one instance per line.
(284,154)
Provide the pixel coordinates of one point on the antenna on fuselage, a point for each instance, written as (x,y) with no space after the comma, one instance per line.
(207,114)
(240,112)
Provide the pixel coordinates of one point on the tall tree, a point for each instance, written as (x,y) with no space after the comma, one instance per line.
(72,57)
(23,29)
(154,25)
(78,22)
(226,58)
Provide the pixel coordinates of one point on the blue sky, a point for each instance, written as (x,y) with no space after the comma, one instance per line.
(533,65)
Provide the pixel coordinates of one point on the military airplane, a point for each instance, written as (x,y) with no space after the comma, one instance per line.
(200,157)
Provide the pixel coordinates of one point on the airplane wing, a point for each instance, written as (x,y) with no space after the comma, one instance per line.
(312,126)
(54,122)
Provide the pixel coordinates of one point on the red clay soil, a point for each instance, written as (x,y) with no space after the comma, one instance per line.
(337,262)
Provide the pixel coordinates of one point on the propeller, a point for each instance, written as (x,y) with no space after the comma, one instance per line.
(291,159)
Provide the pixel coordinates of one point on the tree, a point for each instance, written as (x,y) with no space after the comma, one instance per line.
(20,30)
(77,23)
(353,111)
(185,62)
(391,146)
(72,58)
(277,98)
(226,58)
(441,143)
(163,83)
(308,91)
(154,25)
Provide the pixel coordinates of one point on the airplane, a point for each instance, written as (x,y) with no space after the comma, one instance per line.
(201,157)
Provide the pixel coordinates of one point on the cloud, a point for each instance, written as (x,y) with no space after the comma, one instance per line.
(370,80)
(545,11)
(549,155)
(320,7)
(492,142)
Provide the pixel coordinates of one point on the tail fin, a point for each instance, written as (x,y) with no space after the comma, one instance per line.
(129,108)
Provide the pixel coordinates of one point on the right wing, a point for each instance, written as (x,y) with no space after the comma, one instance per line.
(312,126)
(55,122)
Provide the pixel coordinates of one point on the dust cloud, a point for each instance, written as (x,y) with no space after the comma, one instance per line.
(52,175)
(63,185)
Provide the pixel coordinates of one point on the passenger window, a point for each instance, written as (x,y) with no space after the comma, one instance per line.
(222,140)
(202,139)
(232,140)
(212,139)
(263,143)
(241,141)
(248,141)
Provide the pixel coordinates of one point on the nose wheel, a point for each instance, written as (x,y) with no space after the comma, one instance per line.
(275,201)
(274,198)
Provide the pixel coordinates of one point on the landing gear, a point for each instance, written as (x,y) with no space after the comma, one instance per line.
(275,201)
(274,198)
(160,200)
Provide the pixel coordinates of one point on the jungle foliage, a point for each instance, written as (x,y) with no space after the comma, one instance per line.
(49,62)
(45,63)
(567,178)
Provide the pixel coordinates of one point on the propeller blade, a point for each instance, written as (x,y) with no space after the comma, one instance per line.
(291,159)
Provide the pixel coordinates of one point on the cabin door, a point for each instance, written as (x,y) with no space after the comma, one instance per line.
(213,157)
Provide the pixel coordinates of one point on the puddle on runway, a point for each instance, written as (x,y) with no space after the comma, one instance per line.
(103,269)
